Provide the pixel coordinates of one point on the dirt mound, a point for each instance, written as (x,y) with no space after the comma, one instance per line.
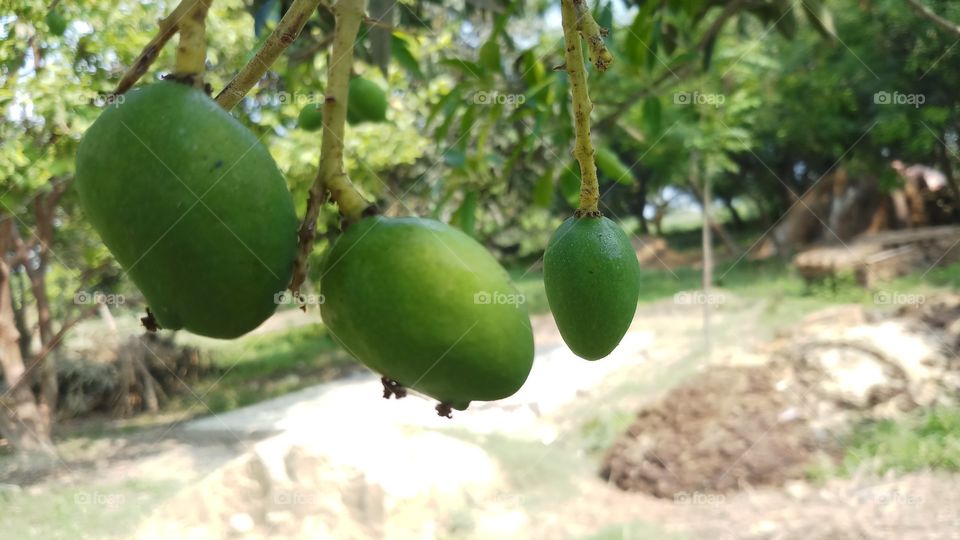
(737,425)
(702,437)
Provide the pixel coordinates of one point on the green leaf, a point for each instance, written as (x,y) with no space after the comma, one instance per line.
(543,189)
(820,17)
(466,216)
(465,67)
(400,50)
(490,55)
(652,115)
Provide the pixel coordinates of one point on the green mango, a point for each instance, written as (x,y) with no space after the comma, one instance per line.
(366,102)
(427,306)
(56,23)
(311,117)
(592,280)
(192,206)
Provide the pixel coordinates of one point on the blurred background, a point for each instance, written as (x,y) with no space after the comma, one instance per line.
(785,169)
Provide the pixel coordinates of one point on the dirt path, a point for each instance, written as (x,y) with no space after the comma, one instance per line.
(523,467)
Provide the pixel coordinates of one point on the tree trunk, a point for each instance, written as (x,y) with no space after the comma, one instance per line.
(25,424)
(20,312)
(713,224)
(734,215)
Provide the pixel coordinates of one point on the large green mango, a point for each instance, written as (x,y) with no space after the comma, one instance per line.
(427,306)
(192,206)
(592,280)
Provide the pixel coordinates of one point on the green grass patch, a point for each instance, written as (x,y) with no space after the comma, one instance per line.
(929,440)
(260,367)
(68,512)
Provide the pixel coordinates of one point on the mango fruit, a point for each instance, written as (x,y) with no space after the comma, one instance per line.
(56,23)
(592,280)
(310,117)
(366,102)
(192,206)
(427,306)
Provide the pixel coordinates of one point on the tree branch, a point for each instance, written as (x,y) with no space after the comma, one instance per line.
(168,27)
(331,176)
(282,37)
(929,14)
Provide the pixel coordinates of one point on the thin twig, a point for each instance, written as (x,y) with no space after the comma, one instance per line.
(331,176)
(282,37)
(933,17)
(168,27)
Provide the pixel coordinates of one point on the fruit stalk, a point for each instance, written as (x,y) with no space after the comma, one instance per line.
(331,176)
(168,27)
(593,34)
(282,36)
(192,49)
(574,14)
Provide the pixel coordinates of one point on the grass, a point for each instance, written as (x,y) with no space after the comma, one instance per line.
(69,511)
(260,367)
(929,440)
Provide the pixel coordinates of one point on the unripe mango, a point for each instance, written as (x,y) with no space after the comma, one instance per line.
(427,306)
(310,117)
(592,280)
(366,102)
(192,206)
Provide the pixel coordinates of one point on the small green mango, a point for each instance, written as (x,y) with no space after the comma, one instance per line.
(592,280)
(56,23)
(192,206)
(311,117)
(427,306)
(366,102)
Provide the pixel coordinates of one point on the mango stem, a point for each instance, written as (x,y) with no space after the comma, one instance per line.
(168,26)
(331,176)
(192,48)
(576,18)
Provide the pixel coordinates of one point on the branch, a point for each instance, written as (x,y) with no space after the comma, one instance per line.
(282,37)
(168,27)
(593,34)
(583,148)
(710,34)
(928,13)
(331,176)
